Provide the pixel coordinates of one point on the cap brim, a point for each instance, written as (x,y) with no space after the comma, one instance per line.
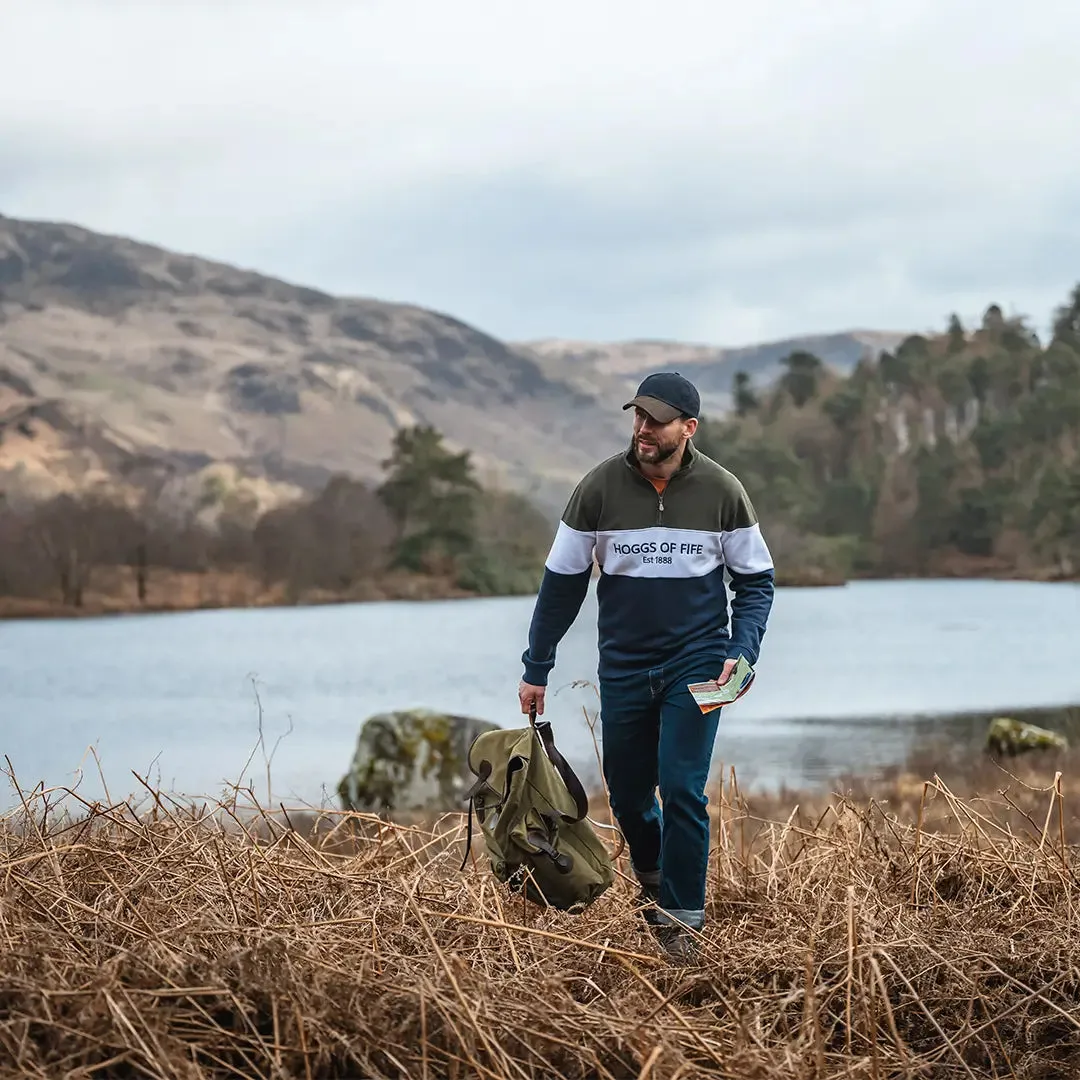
(660,411)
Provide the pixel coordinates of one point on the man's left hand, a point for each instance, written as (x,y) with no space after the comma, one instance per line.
(729,667)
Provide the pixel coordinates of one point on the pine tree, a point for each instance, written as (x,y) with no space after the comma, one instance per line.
(430,494)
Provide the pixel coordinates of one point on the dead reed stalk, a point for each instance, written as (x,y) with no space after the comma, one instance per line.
(178,939)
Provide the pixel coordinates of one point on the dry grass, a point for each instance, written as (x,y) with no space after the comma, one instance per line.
(933,938)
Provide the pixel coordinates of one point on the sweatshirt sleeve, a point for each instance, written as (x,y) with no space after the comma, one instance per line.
(750,565)
(567,573)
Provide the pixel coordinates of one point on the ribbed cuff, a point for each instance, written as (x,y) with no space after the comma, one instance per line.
(536,674)
(646,877)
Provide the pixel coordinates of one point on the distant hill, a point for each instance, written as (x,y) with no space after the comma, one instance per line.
(118,358)
(712,367)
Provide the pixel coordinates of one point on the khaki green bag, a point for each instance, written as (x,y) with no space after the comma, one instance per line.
(533,813)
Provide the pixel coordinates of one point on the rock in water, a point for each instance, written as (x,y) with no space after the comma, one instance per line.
(1007,737)
(410,760)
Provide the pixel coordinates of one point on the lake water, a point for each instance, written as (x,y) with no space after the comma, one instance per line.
(847,679)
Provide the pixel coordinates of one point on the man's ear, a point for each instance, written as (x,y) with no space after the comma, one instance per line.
(691,426)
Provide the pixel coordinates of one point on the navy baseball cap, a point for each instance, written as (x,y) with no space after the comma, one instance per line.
(665,395)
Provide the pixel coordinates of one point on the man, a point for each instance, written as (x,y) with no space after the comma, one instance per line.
(663,521)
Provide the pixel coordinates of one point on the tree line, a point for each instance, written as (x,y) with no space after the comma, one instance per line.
(956,452)
(430,517)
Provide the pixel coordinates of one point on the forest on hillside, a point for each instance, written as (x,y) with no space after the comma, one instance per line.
(959,453)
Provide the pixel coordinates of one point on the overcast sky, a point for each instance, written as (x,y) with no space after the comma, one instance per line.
(695,169)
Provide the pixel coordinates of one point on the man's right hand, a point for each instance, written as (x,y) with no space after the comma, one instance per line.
(527,694)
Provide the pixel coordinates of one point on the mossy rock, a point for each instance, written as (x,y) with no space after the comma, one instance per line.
(1007,737)
(410,760)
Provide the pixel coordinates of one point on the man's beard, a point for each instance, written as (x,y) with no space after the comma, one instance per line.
(656,453)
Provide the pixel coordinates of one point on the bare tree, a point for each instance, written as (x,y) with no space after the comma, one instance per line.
(333,541)
(77,536)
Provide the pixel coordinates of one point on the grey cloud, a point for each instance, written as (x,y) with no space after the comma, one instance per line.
(530,260)
(573,170)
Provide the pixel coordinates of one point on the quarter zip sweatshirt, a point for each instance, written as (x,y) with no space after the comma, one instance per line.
(662,556)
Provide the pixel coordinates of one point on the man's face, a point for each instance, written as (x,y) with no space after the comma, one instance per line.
(653,442)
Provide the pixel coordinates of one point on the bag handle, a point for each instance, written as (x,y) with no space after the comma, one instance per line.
(562,766)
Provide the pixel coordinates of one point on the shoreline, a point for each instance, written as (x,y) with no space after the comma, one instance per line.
(174,592)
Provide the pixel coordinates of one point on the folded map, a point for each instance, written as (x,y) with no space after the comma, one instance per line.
(711,695)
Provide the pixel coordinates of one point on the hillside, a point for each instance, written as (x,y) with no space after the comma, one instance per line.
(121,359)
(138,348)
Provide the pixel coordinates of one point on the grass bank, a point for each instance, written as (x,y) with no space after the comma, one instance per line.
(927,927)
(113,592)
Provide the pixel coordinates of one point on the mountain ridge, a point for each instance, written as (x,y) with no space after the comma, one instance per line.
(712,367)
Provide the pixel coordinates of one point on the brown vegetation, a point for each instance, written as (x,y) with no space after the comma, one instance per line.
(114,593)
(928,930)
(430,530)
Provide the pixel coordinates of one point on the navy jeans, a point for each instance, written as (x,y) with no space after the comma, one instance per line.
(654,735)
